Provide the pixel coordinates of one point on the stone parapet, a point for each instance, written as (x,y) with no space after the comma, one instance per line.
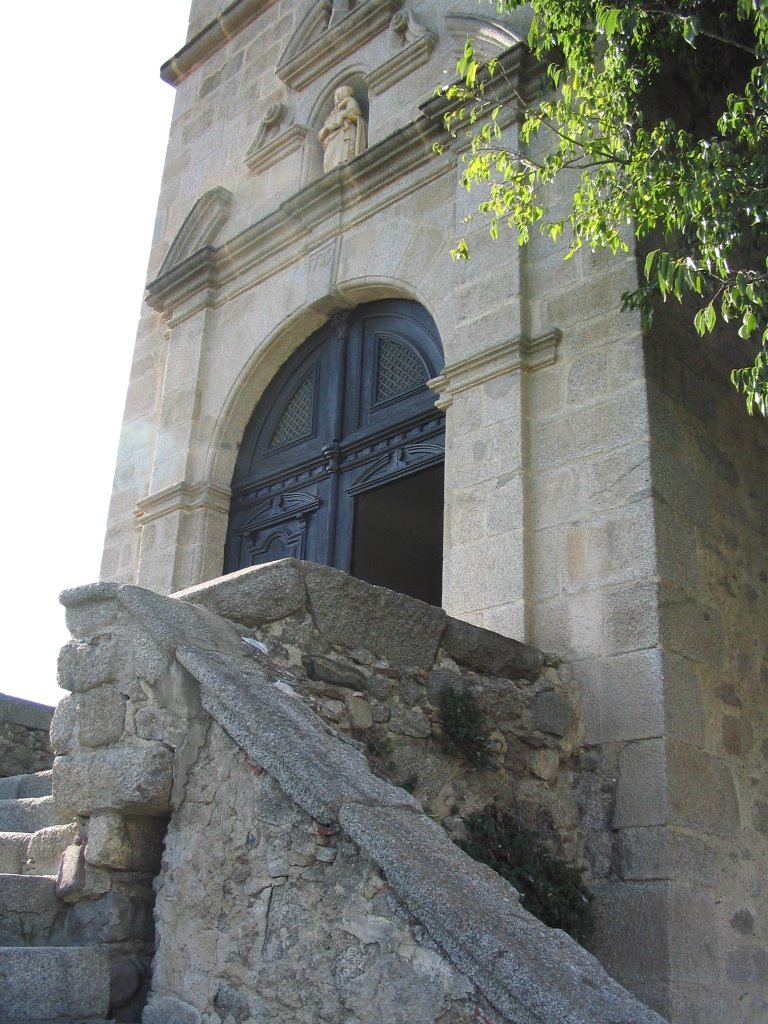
(246,747)
(24,746)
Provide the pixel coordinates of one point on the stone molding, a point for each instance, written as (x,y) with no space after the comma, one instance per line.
(306,59)
(514,83)
(403,63)
(200,226)
(197,281)
(336,198)
(262,154)
(182,497)
(216,34)
(314,23)
(489,37)
(510,357)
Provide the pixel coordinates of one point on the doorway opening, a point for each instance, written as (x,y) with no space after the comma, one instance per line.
(397,539)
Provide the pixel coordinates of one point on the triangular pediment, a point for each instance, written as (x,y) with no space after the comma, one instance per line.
(329,32)
(311,27)
(490,37)
(200,227)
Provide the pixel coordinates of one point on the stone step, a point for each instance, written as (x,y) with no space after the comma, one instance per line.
(36,853)
(54,984)
(13,852)
(46,847)
(30,912)
(28,814)
(14,786)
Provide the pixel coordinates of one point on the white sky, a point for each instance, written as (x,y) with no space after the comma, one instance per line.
(84,128)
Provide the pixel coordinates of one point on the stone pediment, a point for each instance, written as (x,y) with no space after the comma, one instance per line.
(416,44)
(273,140)
(328,33)
(200,227)
(490,37)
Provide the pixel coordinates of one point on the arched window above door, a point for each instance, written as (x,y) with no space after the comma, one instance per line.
(341,462)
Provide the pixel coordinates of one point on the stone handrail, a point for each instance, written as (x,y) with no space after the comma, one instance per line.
(530,973)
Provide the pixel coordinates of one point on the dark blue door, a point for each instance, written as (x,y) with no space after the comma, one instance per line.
(343,456)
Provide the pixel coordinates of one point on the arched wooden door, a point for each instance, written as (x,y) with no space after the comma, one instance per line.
(342,461)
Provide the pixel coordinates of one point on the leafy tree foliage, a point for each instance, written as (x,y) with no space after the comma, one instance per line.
(654,116)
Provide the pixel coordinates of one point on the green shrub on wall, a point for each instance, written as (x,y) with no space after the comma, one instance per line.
(465,733)
(549,888)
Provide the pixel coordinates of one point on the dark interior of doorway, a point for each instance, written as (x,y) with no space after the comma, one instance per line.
(398,536)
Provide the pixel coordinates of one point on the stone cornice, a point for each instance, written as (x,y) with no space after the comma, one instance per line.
(197,280)
(510,357)
(262,155)
(182,497)
(397,67)
(367,19)
(381,175)
(516,78)
(210,39)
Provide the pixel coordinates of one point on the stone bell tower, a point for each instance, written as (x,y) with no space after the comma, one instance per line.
(314,377)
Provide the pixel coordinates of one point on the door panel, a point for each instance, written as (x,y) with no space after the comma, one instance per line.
(348,414)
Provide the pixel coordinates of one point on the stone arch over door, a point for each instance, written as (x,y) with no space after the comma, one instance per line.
(341,462)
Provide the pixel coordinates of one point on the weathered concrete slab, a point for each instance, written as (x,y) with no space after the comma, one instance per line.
(175,622)
(54,983)
(490,653)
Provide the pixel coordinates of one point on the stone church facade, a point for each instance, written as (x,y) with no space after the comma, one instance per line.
(587,489)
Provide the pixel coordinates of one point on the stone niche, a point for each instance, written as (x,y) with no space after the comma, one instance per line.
(279,732)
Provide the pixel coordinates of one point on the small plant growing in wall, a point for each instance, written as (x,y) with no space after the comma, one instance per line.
(549,887)
(378,744)
(464,730)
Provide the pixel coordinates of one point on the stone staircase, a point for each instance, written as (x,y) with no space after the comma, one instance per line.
(43,978)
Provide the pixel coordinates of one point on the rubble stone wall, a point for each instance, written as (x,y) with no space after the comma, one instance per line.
(531,755)
(282,920)
(24,744)
(294,879)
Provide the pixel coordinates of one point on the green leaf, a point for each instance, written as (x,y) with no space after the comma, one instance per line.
(599,140)
(650,259)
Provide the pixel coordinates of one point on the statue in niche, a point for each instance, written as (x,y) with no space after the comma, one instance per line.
(343,133)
